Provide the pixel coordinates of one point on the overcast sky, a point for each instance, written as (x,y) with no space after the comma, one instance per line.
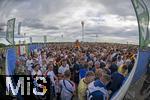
(111,20)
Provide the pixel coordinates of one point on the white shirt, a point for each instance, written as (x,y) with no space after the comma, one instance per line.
(119,63)
(62,69)
(65,93)
(43,68)
(113,55)
(29,64)
(36,73)
(52,75)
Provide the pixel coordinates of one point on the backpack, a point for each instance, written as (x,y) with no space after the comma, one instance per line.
(96,93)
(66,86)
(69,89)
(46,73)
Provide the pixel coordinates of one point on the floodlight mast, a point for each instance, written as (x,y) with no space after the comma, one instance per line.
(82,23)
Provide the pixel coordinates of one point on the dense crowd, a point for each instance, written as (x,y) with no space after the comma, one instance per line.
(85,71)
(2,61)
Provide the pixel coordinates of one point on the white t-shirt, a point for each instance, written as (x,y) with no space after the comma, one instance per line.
(40,59)
(29,64)
(36,73)
(119,63)
(68,87)
(43,68)
(62,69)
(52,75)
(113,55)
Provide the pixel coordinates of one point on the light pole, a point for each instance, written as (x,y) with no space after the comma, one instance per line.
(82,23)
(19,28)
(24,38)
(45,38)
(30,40)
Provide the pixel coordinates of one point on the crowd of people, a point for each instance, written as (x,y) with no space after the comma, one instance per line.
(2,61)
(85,71)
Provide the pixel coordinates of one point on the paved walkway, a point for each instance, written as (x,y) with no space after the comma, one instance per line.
(134,91)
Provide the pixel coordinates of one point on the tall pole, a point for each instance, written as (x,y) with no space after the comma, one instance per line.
(45,39)
(62,37)
(19,42)
(30,40)
(19,31)
(24,38)
(96,36)
(82,23)
(19,28)
(62,31)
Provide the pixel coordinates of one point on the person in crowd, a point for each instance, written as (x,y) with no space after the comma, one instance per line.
(115,83)
(44,66)
(90,65)
(83,71)
(119,61)
(36,70)
(108,65)
(103,62)
(107,71)
(20,68)
(103,59)
(123,70)
(98,73)
(97,89)
(23,57)
(113,67)
(76,69)
(131,64)
(67,87)
(96,66)
(49,73)
(83,85)
(29,64)
(63,68)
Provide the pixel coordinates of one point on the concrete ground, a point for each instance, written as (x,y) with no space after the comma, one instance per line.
(134,91)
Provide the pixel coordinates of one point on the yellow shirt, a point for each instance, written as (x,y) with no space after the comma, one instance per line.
(82,87)
(120,70)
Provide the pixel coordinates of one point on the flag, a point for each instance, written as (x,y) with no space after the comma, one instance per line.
(22,50)
(10,61)
(10,31)
(142,14)
(18,50)
(27,50)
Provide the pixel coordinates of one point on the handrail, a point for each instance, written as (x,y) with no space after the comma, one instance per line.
(122,91)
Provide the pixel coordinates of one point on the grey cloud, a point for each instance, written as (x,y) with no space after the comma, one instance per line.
(109,31)
(119,7)
(37,24)
(60,16)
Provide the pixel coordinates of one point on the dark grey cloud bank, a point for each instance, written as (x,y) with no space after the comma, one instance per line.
(108,18)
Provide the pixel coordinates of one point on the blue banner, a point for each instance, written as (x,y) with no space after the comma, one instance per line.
(10,61)
(142,62)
